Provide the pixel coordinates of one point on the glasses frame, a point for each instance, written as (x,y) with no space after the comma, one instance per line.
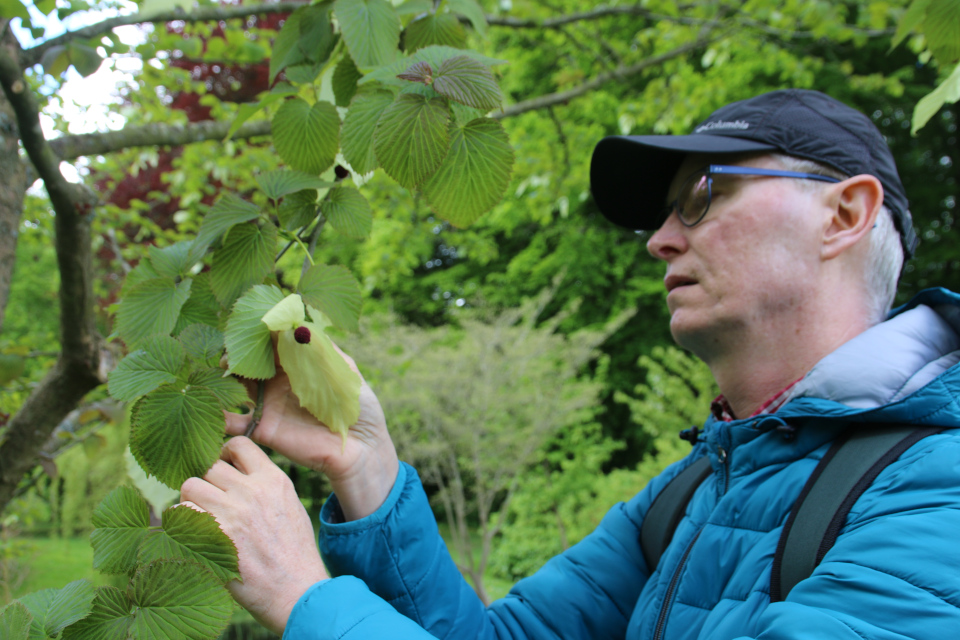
(731,170)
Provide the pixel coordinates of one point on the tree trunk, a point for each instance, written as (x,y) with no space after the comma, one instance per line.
(12,187)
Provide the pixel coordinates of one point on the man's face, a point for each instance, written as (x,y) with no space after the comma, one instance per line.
(748,266)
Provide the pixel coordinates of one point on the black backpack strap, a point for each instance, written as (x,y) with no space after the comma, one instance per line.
(850,465)
(667,509)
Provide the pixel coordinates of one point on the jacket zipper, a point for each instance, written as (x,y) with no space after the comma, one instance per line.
(668,598)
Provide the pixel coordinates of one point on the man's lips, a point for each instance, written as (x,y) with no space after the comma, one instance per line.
(671,282)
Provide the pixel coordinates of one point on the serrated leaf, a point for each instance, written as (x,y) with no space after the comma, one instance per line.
(229,391)
(472,11)
(249,348)
(151,308)
(202,343)
(371,29)
(172,261)
(55,609)
(201,307)
(245,258)
(947,91)
(420,72)
(108,620)
(120,524)
(414,7)
(140,273)
(411,138)
(303,73)
(298,209)
(462,114)
(277,184)
(187,534)
(333,290)
(434,55)
(249,109)
(911,19)
(229,210)
(158,495)
(166,599)
(359,128)
(306,37)
(474,175)
(285,46)
(468,82)
(942,30)
(15,621)
(157,362)
(176,433)
(307,138)
(84,59)
(344,81)
(349,212)
(431,29)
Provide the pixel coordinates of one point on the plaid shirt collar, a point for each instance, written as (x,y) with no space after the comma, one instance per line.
(723,412)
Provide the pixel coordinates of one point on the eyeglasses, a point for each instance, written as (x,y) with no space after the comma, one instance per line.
(696,192)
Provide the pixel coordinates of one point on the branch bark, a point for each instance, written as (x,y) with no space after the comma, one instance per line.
(12,189)
(31,56)
(78,369)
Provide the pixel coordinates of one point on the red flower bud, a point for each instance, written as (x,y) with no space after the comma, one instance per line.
(302,335)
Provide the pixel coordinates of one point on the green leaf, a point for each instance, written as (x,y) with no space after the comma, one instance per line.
(948,91)
(158,495)
(942,30)
(420,72)
(151,308)
(285,46)
(229,391)
(120,524)
(11,367)
(15,621)
(412,137)
(201,307)
(371,29)
(229,210)
(303,73)
(14,9)
(359,128)
(442,29)
(306,36)
(172,261)
(249,348)
(434,55)
(349,212)
(463,114)
(84,59)
(474,175)
(176,433)
(911,19)
(344,82)
(166,599)
(55,60)
(55,609)
(202,343)
(140,273)
(307,138)
(298,209)
(157,362)
(250,109)
(246,257)
(472,11)
(109,619)
(152,7)
(333,290)
(279,183)
(468,82)
(191,535)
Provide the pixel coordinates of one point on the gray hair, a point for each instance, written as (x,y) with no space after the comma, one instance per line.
(885,254)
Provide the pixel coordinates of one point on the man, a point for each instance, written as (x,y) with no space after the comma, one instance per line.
(783,239)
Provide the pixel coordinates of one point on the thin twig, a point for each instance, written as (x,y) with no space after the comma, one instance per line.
(258,410)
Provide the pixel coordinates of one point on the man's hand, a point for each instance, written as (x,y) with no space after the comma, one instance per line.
(362,472)
(255,504)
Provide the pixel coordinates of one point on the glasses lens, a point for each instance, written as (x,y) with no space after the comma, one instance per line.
(694,198)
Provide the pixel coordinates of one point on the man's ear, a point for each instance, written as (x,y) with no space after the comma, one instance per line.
(854,205)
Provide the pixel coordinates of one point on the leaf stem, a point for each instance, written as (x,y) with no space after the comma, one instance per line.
(258,410)
(305,249)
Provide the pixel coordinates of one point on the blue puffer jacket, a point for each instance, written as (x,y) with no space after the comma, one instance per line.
(894,571)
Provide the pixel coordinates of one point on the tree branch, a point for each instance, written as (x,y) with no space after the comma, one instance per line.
(32,56)
(559,21)
(77,370)
(620,73)
(152,135)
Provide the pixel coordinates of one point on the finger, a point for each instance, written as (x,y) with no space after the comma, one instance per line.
(245,455)
(224,476)
(237,423)
(201,493)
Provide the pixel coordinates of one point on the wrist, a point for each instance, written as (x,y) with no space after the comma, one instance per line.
(366,489)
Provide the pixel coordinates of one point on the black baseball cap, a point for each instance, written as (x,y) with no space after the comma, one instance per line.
(630,175)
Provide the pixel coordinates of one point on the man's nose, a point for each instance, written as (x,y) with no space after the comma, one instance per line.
(669,240)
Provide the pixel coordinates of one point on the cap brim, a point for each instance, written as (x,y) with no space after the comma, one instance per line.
(630,175)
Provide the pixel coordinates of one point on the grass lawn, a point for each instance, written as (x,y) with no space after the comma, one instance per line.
(54,562)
